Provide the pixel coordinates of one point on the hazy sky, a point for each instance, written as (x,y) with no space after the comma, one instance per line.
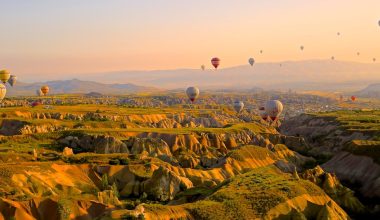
(78,36)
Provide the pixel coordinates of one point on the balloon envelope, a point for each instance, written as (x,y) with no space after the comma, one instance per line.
(215,62)
(353,98)
(274,109)
(192,93)
(4,75)
(45,90)
(238,106)
(12,80)
(203,67)
(301,47)
(3,92)
(251,61)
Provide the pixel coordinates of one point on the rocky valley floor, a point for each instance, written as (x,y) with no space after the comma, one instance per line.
(90,161)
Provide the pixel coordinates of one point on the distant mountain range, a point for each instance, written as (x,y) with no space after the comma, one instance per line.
(324,75)
(372,90)
(76,86)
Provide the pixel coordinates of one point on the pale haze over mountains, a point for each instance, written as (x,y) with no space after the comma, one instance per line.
(325,75)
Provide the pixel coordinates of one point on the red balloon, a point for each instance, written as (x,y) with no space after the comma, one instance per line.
(215,62)
(353,98)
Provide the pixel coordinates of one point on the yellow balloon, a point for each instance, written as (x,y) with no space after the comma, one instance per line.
(4,75)
(44,89)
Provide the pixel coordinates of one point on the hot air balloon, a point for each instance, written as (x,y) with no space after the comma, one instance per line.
(333,58)
(353,98)
(203,67)
(378,22)
(374,59)
(192,93)
(215,62)
(12,80)
(263,113)
(3,91)
(44,90)
(301,47)
(238,106)
(274,109)
(261,51)
(358,53)
(4,75)
(338,33)
(251,61)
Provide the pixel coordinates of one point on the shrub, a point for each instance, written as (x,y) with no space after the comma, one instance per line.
(105,182)
(124,161)
(114,162)
(115,190)
(64,209)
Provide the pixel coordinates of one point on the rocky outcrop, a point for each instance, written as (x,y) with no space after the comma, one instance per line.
(332,186)
(67,152)
(321,133)
(108,197)
(11,127)
(356,169)
(101,144)
(50,209)
(155,147)
(165,184)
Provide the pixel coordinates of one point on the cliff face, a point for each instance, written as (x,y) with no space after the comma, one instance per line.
(326,135)
(332,186)
(177,120)
(356,169)
(10,127)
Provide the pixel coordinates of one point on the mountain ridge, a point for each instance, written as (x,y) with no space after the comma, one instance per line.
(326,75)
(76,86)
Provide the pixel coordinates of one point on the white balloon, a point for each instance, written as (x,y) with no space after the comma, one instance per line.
(192,93)
(238,106)
(274,109)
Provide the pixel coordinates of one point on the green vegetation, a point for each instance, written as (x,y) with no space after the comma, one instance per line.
(64,209)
